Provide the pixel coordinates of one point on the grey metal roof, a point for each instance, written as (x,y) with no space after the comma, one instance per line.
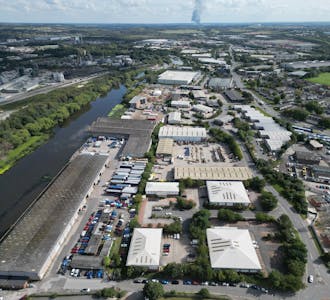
(26,249)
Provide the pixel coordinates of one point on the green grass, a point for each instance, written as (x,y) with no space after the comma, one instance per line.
(263,112)
(278,188)
(14,155)
(115,247)
(117,111)
(323,78)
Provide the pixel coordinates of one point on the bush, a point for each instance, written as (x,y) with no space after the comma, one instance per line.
(256,184)
(153,290)
(264,218)
(175,227)
(204,293)
(184,203)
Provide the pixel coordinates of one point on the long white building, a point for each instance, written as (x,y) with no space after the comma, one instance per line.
(232,248)
(162,189)
(144,250)
(184,133)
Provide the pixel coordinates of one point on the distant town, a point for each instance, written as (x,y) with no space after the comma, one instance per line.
(154,162)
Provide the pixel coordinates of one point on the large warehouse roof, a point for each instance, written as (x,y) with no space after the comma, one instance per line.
(138,133)
(177,77)
(213,173)
(144,250)
(232,248)
(28,247)
(184,131)
(230,192)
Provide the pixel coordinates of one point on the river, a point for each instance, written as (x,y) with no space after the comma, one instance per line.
(23,183)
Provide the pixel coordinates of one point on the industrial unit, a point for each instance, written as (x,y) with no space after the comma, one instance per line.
(31,247)
(219,84)
(162,189)
(232,248)
(165,148)
(185,133)
(144,250)
(174,118)
(227,193)
(177,77)
(213,173)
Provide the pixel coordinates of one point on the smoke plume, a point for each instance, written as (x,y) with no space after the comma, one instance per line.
(196,16)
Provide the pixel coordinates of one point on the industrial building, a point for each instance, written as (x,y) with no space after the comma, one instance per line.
(206,111)
(219,84)
(165,148)
(177,77)
(232,248)
(273,134)
(321,174)
(33,244)
(213,173)
(307,158)
(180,104)
(233,96)
(227,193)
(137,132)
(185,133)
(138,102)
(174,118)
(144,250)
(296,65)
(162,189)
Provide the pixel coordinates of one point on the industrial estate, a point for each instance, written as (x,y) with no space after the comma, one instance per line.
(210,175)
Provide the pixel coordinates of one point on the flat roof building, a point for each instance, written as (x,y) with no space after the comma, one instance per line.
(180,103)
(220,83)
(144,250)
(227,193)
(33,244)
(184,133)
(203,109)
(232,248)
(165,147)
(174,118)
(233,96)
(162,189)
(177,77)
(307,158)
(213,173)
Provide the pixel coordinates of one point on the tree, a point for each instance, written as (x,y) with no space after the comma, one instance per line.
(229,216)
(204,293)
(264,218)
(256,184)
(153,290)
(106,261)
(268,201)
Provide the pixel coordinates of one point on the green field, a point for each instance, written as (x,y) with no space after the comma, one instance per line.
(323,78)
(117,111)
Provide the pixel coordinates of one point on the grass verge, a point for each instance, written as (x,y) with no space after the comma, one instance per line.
(117,111)
(14,155)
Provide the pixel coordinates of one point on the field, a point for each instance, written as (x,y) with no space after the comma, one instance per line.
(323,78)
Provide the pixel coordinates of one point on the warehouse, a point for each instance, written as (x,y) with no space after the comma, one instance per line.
(321,174)
(177,77)
(137,132)
(219,84)
(227,193)
(232,248)
(206,111)
(165,148)
(180,104)
(144,250)
(185,133)
(307,158)
(162,189)
(138,102)
(213,173)
(174,118)
(233,96)
(33,244)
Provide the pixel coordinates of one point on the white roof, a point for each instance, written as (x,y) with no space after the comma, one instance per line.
(178,75)
(180,103)
(162,187)
(184,131)
(174,116)
(227,192)
(145,247)
(231,248)
(202,108)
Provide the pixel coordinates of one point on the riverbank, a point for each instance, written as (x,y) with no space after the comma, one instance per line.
(32,125)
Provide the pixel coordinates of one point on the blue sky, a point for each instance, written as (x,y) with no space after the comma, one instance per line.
(162,11)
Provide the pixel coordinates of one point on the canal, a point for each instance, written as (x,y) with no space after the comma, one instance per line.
(23,183)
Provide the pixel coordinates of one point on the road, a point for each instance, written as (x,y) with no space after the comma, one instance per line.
(48,89)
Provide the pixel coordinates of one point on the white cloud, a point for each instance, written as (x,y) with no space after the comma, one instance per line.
(162,11)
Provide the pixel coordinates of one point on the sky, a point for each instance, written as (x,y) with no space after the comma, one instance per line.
(163,11)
